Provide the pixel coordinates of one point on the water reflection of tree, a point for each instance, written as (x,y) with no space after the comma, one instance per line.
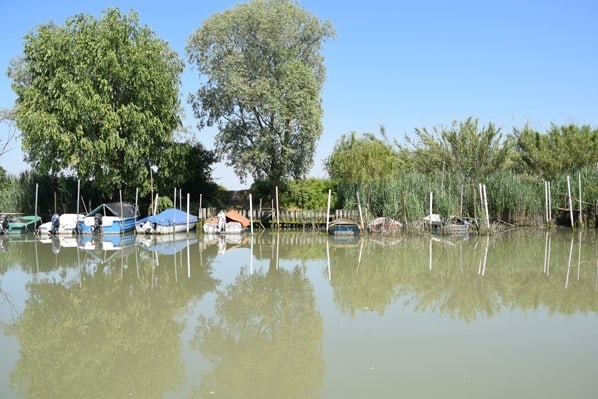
(265,338)
(108,335)
(362,280)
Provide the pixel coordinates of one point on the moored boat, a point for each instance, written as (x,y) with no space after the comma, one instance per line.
(19,224)
(169,221)
(343,227)
(384,225)
(65,224)
(231,222)
(109,218)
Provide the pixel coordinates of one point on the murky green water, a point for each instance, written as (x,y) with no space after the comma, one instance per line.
(300,315)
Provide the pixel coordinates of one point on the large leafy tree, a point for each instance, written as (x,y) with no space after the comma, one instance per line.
(98,98)
(563,149)
(262,74)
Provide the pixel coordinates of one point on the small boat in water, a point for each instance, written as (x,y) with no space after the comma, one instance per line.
(343,227)
(19,224)
(109,218)
(169,221)
(384,225)
(65,224)
(231,222)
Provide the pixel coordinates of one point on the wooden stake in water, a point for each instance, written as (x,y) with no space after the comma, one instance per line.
(570,202)
(486,206)
(580,203)
(251,213)
(277,209)
(431,199)
(328,210)
(188,205)
(36,190)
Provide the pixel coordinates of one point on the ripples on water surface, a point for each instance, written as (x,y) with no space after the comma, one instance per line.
(300,315)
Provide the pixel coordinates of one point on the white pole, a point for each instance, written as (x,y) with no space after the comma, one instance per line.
(251,213)
(431,201)
(122,216)
(570,204)
(546,201)
(549,203)
(78,193)
(200,198)
(277,211)
(328,210)
(486,207)
(481,196)
(188,205)
(136,200)
(155,205)
(580,208)
(36,189)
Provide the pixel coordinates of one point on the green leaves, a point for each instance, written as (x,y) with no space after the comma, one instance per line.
(262,75)
(562,149)
(98,98)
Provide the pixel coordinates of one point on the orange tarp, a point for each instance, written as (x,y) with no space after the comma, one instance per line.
(237,217)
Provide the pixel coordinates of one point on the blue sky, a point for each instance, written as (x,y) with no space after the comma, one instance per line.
(401,64)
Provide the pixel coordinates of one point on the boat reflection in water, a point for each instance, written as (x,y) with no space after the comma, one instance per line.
(302,315)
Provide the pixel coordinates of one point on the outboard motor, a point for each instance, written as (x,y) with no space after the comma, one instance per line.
(97,218)
(55,223)
(3,224)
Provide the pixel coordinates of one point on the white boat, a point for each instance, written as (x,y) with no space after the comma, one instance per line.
(169,221)
(65,224)
(231,222)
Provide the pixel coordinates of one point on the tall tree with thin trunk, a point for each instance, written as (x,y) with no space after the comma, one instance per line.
(261,73)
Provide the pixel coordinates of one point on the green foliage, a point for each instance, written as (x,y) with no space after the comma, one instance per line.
(306,194)
(362,159)
(98,98)
(463,148)
(263,73)
(562,149)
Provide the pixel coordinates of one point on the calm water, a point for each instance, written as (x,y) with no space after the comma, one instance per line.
(300,315)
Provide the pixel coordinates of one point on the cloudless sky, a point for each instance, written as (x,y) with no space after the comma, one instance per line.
(400,64)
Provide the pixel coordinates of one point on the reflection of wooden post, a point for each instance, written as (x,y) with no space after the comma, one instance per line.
(360,214)
(485,255)
(546,252)
(328,260)
(569,263)
(579,255)
(188,260)
(430,255)
(251,254)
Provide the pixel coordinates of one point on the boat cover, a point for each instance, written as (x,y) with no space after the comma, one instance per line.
(126,210)
(170,217)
